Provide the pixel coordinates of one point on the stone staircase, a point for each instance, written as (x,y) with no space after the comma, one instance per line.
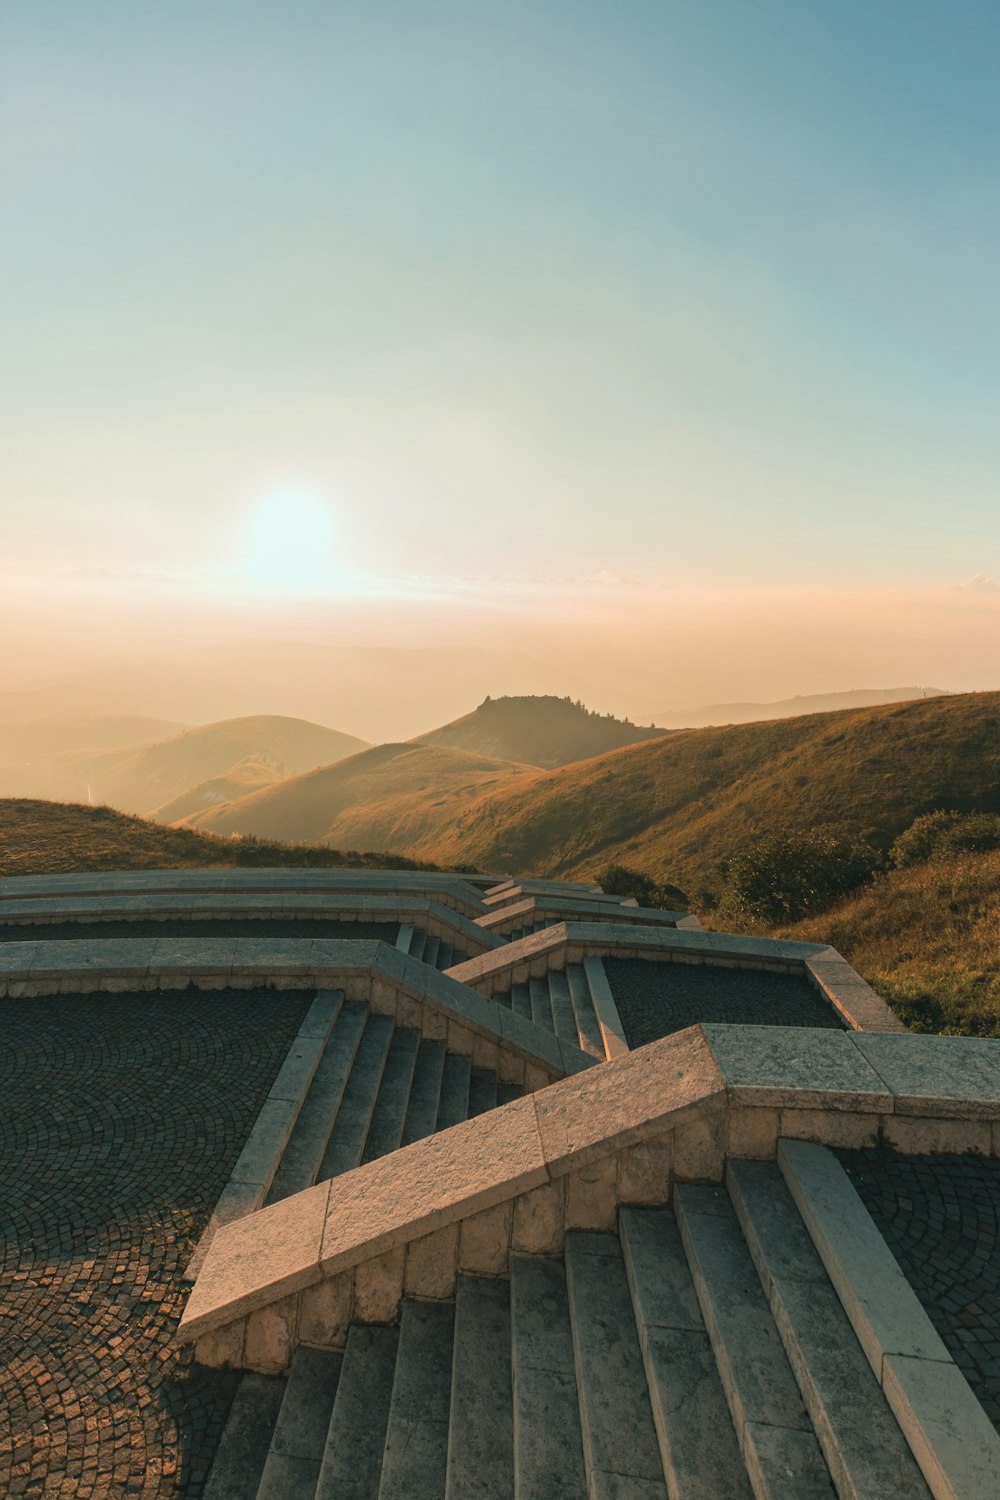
(561,1001)
(435,951)
(699,1352)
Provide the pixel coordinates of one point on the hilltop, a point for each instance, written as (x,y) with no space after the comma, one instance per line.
(675,807)
(537,731)
(53,838)
(150,777)
(412,790)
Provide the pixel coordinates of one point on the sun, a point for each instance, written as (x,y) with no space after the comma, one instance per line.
(290,543)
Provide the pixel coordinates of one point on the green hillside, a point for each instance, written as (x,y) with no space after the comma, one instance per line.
(537,731)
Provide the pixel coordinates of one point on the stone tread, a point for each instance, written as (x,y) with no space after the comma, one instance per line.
(431,949)
(454,1106)
(299,1436)
(304,1152)
(425,1092)
(483,1091)
(776,1434)
(354,1116)
(415,1458)
(352,1458)
(563,1014)
(698,1445)
(243,1447)
(616,1418)
(867,1454)
(520,1001)
(548,1445)
(385,1131)
(587,1025)
(541,1003)
(481,1419)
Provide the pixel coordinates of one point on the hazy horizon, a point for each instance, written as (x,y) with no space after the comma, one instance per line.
(656,343)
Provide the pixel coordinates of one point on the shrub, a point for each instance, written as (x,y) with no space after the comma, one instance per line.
(780,877)
(936,835)
(623,880)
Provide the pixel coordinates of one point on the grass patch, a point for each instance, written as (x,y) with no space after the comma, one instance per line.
(55,838)
(927,938)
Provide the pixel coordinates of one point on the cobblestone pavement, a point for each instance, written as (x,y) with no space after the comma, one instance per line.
(228,927)
(655,999)
(940,1216)
(120,1119)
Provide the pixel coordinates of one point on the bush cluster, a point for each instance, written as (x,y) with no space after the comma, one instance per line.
(938,835)
(781,877)
(624,880)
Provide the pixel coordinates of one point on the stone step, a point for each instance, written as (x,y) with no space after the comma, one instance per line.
(244,1444)
(431,949)
(587,1025)
(415,1460)
(520,1001)
(699,1450)
(299,1438)
(865,1450)
(480,1426)
(389,1115)
(770,1421)
(447,956)
(541,1003)
(952,1439)
(454,1106)
(563,1014)
(620,1447)
(425,1092)
(303,1154)
(483,1091)
(418,942)
(548,1446)
(351,1467)
(350,1131)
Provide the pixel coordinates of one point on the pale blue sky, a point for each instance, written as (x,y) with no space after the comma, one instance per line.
(696,293)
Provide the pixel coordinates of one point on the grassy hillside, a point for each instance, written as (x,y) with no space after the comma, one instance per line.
(51,838)
(144,779)
(248,775)
(408,791)
(538,731)
(675,807)
(928,939)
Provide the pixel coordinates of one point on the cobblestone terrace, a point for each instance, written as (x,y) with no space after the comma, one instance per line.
(656,999)
(940,1217)
(120,1118)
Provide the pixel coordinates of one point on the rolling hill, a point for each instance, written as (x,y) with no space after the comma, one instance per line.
(673,807)
(538,731)
(30,750)
(413,791)
(144,779)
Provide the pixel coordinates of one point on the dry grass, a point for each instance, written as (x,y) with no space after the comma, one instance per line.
(52,838)
(928,939)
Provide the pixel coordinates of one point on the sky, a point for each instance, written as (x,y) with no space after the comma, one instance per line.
(574,324)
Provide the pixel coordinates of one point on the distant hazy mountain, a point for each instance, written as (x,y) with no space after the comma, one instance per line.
(536,731)
(386,693)
(30,753)
(789,708)
(145,779)
(414,789)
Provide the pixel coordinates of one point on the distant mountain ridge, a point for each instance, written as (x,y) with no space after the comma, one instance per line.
(539,731)
(148,777)
(714,714)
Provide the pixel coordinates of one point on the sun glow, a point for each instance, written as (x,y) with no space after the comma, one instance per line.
(290,544)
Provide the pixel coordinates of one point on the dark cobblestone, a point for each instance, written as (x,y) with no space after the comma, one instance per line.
(655,999)
(306,927)
(940,1217)
(120,1119)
